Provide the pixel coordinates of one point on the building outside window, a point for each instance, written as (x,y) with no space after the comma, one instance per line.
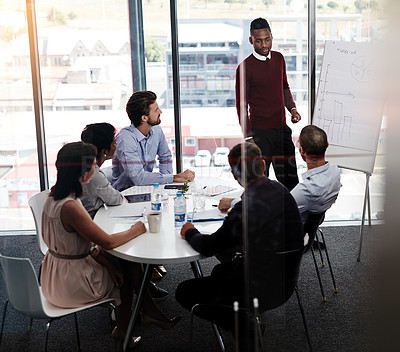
(86,77)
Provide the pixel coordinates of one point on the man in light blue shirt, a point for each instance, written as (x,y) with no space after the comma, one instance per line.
(321,181)
(140,143)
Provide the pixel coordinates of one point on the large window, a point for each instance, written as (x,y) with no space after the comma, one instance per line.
(360,21)
(19,176)
(86,77)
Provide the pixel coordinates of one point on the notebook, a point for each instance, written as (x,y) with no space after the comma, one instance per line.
(207,215)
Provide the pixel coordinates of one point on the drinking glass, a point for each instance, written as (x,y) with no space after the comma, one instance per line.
(199,200)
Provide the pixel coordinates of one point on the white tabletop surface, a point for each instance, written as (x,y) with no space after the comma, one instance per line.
(164,247)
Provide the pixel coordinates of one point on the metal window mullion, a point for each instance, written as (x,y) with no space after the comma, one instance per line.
(37,94)
(176,84)
(137,45)
(311,58)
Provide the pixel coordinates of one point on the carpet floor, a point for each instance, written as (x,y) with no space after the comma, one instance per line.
(344,323)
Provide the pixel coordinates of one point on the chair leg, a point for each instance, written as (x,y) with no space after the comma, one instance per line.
(40,273)
(219,337)
(191,327)
(30,325)
(259,333)
(318,275)
(3,320)
(319,249)
(214,326)
(119,344)
(303,317)
(47,334)
(78,341)
(329,262)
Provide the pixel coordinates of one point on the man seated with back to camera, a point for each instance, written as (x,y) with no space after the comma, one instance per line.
(321,182)
(273,224)
(140,143)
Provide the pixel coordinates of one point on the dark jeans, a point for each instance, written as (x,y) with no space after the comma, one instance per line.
(277,148)
(218,291)
(216,294)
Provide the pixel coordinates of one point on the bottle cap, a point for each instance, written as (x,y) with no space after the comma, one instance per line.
(179,194)
(156,184)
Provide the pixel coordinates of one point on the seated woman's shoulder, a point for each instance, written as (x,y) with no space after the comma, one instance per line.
(73,207)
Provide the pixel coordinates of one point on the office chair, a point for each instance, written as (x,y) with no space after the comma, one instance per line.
(281,281)
(25,295)
(311,227)
(36,203)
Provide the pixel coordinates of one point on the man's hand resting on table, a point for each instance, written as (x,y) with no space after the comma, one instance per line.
(186,227)
(224,204)
(187,175)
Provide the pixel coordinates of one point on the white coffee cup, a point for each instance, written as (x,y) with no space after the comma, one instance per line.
(154,221)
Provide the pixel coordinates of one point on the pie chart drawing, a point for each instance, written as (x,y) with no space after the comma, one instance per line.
(361,69)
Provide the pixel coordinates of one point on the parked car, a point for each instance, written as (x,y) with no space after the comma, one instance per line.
(220,156)
(202,158)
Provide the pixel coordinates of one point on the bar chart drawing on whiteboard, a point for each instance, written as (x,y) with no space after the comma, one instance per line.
(337,126)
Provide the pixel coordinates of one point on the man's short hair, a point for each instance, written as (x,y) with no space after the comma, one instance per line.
(139,105)
(249,155)
(314,141)
(259,23)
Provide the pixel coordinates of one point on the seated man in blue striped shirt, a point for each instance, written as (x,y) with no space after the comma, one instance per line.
(140,143)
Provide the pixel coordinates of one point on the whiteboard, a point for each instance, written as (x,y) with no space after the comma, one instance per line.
(349,104)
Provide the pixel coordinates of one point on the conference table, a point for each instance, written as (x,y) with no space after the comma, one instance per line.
(166,246)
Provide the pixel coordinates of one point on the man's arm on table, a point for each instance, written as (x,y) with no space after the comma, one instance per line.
(227,236)
(227,203)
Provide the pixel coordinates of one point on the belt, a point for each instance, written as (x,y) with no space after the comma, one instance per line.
(67,256)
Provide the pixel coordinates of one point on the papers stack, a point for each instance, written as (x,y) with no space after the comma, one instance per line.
(207,215)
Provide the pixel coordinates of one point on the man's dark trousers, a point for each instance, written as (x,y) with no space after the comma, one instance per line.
(277,148)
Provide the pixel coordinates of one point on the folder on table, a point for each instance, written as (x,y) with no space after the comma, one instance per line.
(207,215)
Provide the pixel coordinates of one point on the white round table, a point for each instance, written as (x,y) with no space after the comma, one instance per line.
(164,247)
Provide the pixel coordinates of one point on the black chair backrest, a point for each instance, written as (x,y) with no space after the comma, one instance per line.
(311,227)
(281,279)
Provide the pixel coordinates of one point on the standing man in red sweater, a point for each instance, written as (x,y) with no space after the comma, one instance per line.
(262,93)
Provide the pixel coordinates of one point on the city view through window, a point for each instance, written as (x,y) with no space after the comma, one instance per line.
(86,77)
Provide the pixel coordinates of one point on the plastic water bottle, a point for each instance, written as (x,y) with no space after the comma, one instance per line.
(156,197)
(179,210)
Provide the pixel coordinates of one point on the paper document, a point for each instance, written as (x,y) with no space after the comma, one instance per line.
(127,210)
(216,190)
(207,215)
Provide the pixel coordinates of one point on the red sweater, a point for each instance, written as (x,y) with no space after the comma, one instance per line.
(266,93)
